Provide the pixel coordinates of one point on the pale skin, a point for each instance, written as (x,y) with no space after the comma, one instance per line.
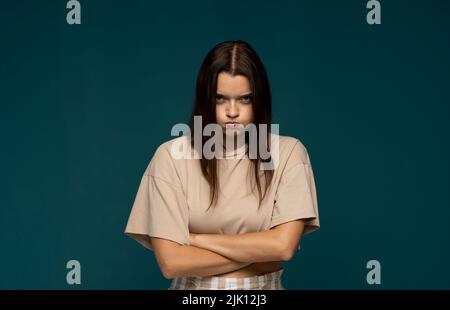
(241,255)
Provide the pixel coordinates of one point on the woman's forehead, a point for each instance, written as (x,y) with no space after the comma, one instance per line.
(232,85)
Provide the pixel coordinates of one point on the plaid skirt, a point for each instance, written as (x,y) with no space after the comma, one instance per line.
(268,281)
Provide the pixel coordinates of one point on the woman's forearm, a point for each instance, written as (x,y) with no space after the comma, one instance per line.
(188,260)
(265,246)
(195,261)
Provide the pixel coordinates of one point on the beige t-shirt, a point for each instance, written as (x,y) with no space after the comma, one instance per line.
(173,195)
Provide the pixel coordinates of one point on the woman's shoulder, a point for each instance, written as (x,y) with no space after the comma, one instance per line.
(169,153)
(172,149)
(292,149)
(165,156)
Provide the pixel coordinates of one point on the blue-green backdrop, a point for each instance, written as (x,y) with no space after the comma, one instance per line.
(83,108)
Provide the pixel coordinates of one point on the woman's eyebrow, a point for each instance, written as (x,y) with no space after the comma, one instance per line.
(240,96)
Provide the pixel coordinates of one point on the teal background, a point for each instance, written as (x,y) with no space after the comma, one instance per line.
(83,108)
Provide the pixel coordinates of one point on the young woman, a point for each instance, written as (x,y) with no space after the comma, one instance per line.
(225,222)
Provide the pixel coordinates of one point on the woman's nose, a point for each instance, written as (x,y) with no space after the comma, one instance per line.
(232,110)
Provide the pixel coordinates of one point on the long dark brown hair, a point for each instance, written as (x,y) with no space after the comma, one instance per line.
(235,58)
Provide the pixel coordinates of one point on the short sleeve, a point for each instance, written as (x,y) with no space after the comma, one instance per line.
(296,196)
(160,208)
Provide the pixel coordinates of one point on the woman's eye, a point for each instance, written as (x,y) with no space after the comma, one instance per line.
(219,99)
(246,99)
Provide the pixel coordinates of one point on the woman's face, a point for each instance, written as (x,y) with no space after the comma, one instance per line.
(233,102)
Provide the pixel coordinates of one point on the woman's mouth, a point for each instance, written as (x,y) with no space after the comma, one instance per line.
(232,125)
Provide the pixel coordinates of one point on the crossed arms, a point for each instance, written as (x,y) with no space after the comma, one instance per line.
(211,254)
